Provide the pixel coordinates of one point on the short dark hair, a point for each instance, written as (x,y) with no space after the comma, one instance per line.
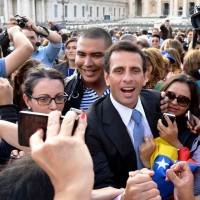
(36,74)
(123,46)
(24,179)
(97,33)
(156,35)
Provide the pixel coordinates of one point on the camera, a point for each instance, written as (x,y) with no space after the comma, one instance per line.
(195,20)
(21,21)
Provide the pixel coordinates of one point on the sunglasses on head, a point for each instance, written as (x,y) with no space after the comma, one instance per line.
(181,100)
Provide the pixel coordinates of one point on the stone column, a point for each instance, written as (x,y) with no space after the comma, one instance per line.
(32,9)
(19,6)
(43,11)
(175,8)
(130,4)
(185,8)
(171,7)
(145,8)
(6,10)
(159,8)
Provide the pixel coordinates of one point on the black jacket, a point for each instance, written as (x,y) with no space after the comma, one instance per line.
(74,90)
(109,143)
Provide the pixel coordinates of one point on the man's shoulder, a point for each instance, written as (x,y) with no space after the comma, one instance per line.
(98,107)
(150,93)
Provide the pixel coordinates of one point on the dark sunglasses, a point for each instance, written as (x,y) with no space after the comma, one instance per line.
(181,100)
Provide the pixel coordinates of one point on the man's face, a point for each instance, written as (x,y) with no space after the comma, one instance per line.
(31,35)
(90,59)
(126,77)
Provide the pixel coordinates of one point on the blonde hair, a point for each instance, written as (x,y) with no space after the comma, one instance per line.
(171,43)
(158,63)
(176,67)
(191,61)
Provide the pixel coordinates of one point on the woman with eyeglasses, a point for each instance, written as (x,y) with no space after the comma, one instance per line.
(43,91)
(183,95)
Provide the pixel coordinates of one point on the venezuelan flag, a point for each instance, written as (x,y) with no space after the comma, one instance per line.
(162,159)
(164,156)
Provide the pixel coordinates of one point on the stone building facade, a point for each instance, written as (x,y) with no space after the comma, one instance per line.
(94,10)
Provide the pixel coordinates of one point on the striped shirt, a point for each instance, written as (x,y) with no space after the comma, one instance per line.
(90,96)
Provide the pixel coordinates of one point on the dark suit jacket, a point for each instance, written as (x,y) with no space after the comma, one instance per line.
(109,142)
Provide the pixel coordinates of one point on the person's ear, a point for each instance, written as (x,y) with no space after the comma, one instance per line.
(106,77)
(146,79)
(27,101)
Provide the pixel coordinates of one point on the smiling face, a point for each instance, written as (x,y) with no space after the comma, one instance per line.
(45,87)
(126,77)
(179,89)
(90,59)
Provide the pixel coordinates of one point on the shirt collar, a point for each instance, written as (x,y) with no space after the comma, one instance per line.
(125,112)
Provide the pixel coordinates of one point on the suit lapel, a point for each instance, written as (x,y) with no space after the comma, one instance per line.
(151,114)
(117,131)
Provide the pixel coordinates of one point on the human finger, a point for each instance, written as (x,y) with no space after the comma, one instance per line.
(21,154)
(172,176)
(82,124)
(133,173)
(14,154)
(36,140)
(147,171)
(68,123)
(53,124)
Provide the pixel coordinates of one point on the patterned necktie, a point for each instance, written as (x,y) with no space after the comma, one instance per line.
(138,135)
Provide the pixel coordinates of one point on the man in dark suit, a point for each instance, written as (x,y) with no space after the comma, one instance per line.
(110,133)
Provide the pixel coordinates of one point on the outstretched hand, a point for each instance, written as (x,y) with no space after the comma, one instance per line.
(64,155)
(182,178)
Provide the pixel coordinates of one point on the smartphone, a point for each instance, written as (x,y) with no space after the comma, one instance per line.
(190,119)
(30,122)
(171,116)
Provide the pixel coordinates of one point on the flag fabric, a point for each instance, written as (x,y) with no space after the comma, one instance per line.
(162,159)
(164,156)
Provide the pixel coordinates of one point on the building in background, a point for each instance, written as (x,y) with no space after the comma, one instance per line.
(94,10)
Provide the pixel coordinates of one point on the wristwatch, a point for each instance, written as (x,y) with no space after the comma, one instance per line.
(42,31)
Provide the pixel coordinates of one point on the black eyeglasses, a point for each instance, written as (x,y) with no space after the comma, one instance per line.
(181,99)
(46,100)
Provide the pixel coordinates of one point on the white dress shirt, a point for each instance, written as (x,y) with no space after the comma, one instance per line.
(125,114)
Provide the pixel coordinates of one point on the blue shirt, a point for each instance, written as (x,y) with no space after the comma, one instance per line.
(2,67)
(47,54)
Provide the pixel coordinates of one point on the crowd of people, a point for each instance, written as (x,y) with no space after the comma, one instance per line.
(122,83)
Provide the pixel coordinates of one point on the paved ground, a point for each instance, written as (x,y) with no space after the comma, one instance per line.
(136,23)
